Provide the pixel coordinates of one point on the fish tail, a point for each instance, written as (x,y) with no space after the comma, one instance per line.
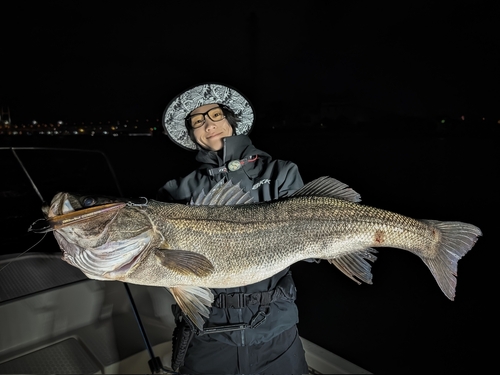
(457,239)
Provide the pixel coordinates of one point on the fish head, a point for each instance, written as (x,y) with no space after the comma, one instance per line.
(104,236)
(83,218)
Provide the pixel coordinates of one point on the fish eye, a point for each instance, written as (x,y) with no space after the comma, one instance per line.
(88,201)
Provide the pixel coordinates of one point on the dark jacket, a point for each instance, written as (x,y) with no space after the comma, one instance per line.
(266,179)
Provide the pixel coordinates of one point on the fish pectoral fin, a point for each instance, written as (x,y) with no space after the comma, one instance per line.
(355,265)
(194,301)
(185,262)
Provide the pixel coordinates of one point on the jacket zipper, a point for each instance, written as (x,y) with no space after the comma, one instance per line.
(240,316)
(224,151)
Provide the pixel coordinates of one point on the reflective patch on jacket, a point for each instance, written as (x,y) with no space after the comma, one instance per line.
(260,183)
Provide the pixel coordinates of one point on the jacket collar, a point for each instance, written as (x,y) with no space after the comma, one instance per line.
(235,147)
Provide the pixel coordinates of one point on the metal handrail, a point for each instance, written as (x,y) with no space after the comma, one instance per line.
(155,363)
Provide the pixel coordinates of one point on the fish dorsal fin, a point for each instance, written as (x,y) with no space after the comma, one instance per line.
(355,265)
(223,194)
(194,301)
(328,187)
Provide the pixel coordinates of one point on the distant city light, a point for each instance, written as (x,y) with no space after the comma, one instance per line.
(151,127)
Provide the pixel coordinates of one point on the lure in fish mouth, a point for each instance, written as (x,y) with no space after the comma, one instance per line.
(65,214)
(81,225)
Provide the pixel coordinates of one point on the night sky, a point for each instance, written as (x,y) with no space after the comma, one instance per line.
(75,61)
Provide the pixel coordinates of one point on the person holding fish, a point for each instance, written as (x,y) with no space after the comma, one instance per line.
(252,328)
(225,257)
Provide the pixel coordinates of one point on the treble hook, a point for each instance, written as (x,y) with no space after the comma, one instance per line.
(131,204)
(45,229)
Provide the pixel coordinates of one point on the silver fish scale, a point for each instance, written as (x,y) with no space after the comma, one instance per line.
(190,249)
(251,242)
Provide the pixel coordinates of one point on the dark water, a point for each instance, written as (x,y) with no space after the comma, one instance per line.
(402,323)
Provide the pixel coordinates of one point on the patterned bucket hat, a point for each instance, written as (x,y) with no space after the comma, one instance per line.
(183,104)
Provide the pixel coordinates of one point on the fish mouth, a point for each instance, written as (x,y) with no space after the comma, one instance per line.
(65,211)
(82,233)
(79,216)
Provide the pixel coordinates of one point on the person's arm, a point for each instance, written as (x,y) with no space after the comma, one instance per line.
(171,191)
(163,194)
(292,181)
(182,189)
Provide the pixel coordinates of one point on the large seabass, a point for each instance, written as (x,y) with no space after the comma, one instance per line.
(223,240)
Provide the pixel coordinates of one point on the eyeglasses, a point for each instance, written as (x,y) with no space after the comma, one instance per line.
(198,120)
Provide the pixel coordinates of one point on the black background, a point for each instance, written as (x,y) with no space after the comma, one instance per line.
(86,62)
(90,61)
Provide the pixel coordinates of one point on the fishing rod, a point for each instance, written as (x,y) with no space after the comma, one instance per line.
(154,363)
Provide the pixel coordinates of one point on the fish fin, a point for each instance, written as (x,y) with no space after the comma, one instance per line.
(194,301)
(457,239)
(223,194)
(328,187)
(355,265)
(185,262)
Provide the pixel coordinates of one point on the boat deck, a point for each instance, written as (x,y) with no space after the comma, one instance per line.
(56,320)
